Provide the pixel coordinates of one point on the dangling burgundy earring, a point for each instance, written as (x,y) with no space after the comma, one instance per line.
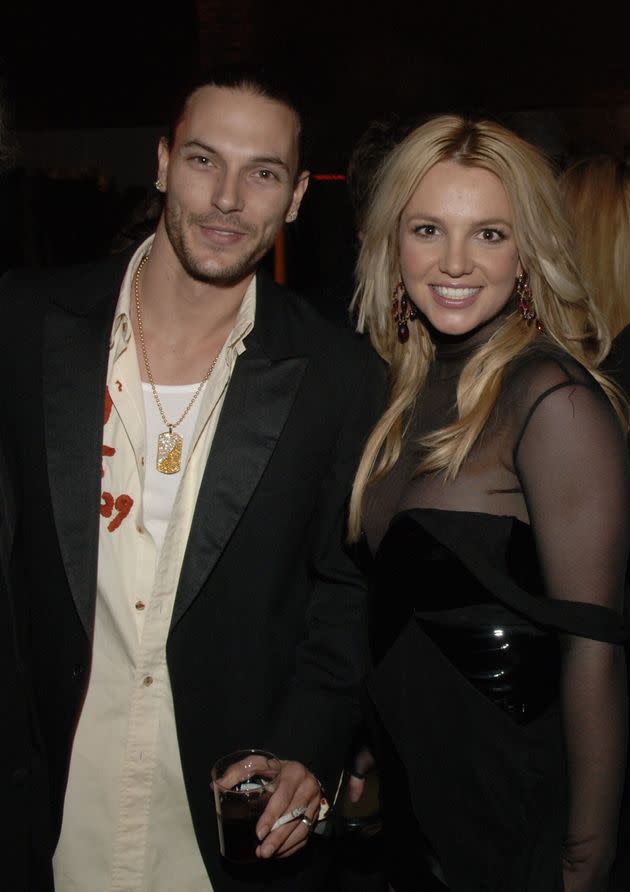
(403,312)
(525,303)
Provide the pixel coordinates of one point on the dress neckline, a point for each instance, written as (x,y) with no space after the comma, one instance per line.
(450,348)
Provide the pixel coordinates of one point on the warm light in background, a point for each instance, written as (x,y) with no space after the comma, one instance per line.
(280,257)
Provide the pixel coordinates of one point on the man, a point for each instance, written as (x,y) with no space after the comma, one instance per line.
(211,604)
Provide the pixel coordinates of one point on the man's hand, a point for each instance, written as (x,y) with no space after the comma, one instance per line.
(296,789)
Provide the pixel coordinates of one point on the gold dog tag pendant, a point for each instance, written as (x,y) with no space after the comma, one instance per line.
(169,453)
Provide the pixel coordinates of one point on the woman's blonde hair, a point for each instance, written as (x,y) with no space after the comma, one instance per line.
(597,198)
(544,243)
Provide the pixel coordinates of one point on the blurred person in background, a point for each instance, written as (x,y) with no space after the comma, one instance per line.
(368,154)
(597,197)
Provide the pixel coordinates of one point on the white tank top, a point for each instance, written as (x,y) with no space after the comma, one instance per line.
(160,489)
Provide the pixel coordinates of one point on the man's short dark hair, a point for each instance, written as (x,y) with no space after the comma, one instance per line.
(261,80)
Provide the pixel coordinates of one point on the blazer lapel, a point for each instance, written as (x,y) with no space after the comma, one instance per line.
(258,401)
(74,378)
(260,395)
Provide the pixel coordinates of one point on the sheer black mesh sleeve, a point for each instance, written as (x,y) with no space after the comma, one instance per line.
(572,462)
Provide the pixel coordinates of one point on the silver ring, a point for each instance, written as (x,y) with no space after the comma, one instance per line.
(307,821)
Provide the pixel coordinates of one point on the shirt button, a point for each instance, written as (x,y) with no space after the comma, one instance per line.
(139,605)
(147,681)
(140,529)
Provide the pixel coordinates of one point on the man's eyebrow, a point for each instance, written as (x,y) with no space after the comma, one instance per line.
(261,159)
(270,159)
(195,143)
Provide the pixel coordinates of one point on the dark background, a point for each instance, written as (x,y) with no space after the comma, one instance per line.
(87,88)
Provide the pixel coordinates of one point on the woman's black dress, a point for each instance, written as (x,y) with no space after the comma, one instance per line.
(488,591)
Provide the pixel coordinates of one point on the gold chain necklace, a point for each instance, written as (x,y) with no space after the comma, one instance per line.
(169,443)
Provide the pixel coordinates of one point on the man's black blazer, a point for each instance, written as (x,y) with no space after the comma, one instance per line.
(25,839)
(267,640)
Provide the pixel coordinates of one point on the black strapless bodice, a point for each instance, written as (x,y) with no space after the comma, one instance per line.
(513,661)
(457,612)
(473,732)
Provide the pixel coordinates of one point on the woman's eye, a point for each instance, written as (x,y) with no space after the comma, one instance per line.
(492,235)
(426,230)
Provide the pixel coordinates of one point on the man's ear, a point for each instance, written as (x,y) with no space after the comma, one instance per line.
(163,155)
(301,185)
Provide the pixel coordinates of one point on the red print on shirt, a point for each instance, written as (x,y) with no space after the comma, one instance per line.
(122,503)
(108,405)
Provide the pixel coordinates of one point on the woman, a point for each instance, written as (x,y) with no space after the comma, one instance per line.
(494,497)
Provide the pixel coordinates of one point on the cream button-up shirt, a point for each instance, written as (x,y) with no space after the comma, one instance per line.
(126,823)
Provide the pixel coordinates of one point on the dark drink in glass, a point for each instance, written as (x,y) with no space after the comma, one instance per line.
(237,826)
(243,783)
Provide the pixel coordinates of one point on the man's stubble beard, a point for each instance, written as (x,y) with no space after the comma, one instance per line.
(230,275)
